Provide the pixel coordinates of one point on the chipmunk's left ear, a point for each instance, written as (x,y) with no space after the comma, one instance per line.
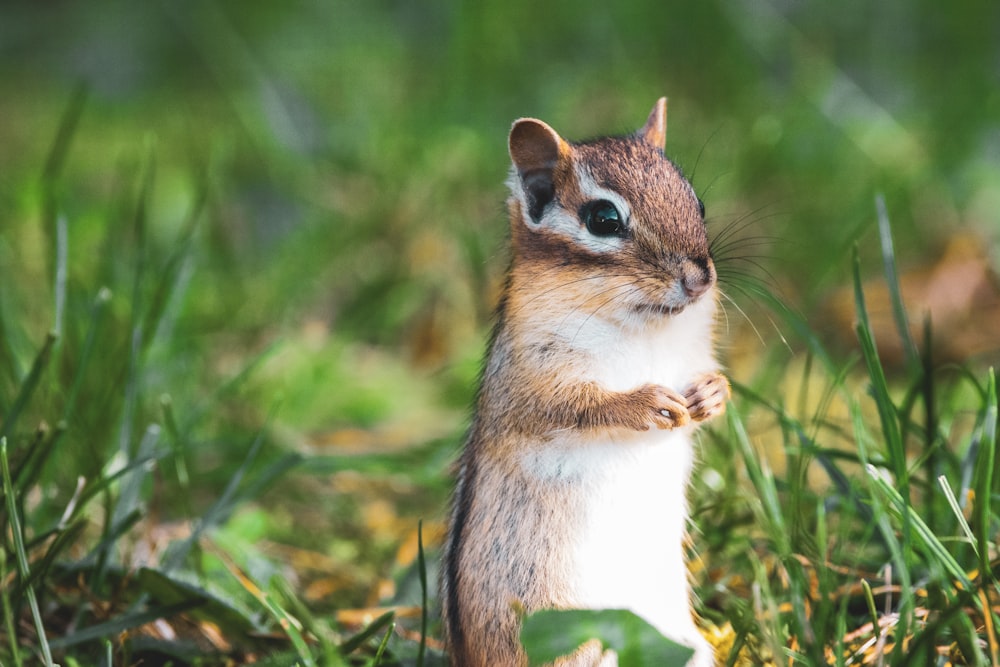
(654,132)
(536,150)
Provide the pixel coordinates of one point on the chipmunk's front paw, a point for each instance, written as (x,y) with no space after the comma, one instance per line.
(707,397)
(666,408)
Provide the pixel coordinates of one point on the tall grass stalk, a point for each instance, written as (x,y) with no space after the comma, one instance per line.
(422,569)
(10,623)
(24,570)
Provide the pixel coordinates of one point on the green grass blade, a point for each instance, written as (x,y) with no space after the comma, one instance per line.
(171,275)
(22,556)
(880,393)
(968,637)
(950,620)
(62,255)
(880,518)
(422,568)
(377,660)
(130,494)
(128,508)
(97,311)
(879,385)
(10,366)
(178,455)
(872,613)
(841,632)
(892,281)
(8,611)
(139,226)
(318,629)
(65,537)
(102,484)
(28,386)
(798,323)
(763,481)
(934,550)
(264,479)
(985,470)
(233,617)
(51,172)
(101,553)
(64,136)
(229,386)
(350,645)
(771,516)
(35,455)
(935,443)
(956,510)
(218,511)
(122,623)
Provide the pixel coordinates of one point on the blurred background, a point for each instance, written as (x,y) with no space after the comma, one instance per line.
(298,209)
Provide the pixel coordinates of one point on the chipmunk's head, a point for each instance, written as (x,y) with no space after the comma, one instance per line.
(622,225)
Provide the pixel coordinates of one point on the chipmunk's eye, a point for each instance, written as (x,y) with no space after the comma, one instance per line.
(603,219)
(701,208)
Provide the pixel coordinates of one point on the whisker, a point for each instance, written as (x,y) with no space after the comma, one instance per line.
(743,313)
(614,290)
(741,223)
(745,257)
(697,160)
(560,286)
(628,288)
(724,311)
(733,271)
(719,250)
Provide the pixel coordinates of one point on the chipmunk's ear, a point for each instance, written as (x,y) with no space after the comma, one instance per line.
(536,149)
(654,132)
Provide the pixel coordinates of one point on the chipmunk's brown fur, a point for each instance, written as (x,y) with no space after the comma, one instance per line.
(600,364)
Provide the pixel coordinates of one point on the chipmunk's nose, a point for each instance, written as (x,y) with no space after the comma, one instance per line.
(697,276)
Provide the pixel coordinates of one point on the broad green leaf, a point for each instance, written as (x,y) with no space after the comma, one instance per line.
(549,634)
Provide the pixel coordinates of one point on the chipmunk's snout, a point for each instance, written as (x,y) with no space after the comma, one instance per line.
(697,276)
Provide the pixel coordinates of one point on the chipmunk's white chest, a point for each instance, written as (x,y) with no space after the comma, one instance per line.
(670,352)
(633,515)
(628,503)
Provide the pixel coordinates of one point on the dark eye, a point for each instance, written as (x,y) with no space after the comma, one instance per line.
(701,208)
(603,219)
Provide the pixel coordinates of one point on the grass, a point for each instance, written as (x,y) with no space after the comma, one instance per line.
(894,531)
(244,289)
(891,559)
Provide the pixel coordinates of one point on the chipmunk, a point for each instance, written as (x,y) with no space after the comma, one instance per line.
(571,488)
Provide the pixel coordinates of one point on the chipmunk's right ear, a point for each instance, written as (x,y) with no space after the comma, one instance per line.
(654,132)
(536,149)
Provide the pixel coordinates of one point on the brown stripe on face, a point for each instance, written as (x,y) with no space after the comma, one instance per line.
(548,248)
(544,245)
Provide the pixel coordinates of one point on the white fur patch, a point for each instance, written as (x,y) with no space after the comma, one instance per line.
(629,552)
(625,350)
(669,350)
(567,223)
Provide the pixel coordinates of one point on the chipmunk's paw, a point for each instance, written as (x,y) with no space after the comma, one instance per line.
(707,396)
(666,408)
